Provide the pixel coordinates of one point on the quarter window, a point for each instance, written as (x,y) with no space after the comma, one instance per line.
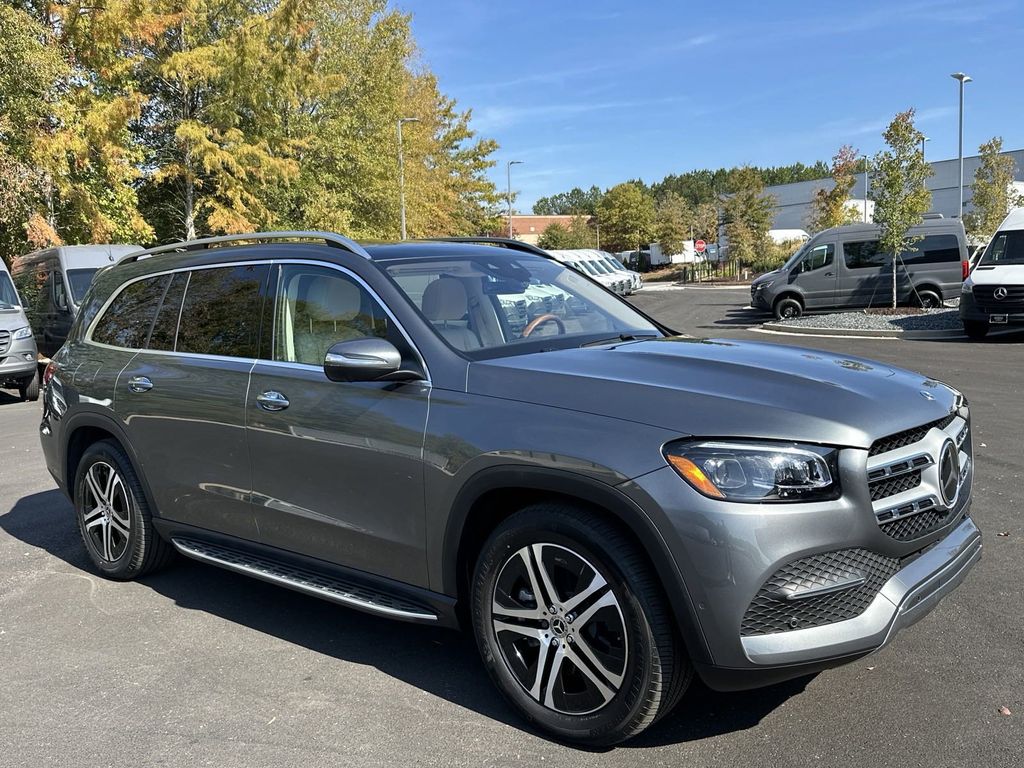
(221,311)
(128,318)
(165,327)
(316,308)
(932,250)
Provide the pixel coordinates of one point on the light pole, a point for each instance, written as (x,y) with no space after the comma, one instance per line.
(867,163)
(508,180)
(963,80)
(923,140)
(401,170)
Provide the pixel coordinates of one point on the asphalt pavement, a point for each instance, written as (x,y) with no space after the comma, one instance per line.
(195,666)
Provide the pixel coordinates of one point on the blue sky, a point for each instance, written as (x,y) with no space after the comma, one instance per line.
(599,92)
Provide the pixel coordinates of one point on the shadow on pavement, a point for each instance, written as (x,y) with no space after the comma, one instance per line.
(9,397)
(441,662)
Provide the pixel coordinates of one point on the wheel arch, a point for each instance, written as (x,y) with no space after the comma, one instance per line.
(790,293)
(494,494)
(85,429)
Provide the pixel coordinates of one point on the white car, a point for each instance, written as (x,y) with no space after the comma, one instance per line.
(993,294)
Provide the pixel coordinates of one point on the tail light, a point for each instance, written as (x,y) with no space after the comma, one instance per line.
(965,268)
(51,369)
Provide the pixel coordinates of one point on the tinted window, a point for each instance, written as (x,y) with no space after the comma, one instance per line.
(165,327)
(129,316)
(221,311)
(79,281)
(933,249)
(8,298)
(864,254)
(60,297)
(318,307)
(819,257)
(1006,248)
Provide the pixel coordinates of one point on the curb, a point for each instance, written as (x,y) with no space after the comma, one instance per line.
(876,333)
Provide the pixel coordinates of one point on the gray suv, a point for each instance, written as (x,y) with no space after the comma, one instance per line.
(609,507)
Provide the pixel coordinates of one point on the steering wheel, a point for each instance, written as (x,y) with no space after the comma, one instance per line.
(539,320)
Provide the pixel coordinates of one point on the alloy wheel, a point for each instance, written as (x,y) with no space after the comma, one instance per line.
(560,629)
(106,514)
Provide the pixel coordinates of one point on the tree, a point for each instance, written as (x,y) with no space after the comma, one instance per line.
(705,222)
(574,202)
(578,234)
(673,223)
(993,194)
(830,207)
(898,184)
(626,214)
(747,214)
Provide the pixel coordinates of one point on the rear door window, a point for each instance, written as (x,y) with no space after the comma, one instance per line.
(128,318)
(221,311)
(165,327)
(863,254)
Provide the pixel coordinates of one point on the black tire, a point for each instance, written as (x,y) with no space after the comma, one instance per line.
(929,299)
(114,518)
(788,308)
(976,329)
(641,684)
(29,388)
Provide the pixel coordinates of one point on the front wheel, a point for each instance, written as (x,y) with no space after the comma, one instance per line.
(29,388)
(573,627)
(976,329)
(788,309)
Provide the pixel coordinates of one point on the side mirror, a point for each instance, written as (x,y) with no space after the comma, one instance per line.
(369,359)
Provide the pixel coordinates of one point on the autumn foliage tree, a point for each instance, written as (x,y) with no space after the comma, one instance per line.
(747,214)
(992,193)
(830,207)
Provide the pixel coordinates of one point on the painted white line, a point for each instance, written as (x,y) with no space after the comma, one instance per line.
(822,335)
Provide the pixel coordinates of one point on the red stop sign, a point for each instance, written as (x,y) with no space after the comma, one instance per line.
(699,246)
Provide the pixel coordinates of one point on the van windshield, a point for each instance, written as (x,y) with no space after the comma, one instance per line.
(795,258)
(79,280)
(1006,248)
(8,297)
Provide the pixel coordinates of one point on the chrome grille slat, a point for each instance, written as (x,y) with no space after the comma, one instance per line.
(5,341)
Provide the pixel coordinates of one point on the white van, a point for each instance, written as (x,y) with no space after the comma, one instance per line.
(993,294)
(582,260)
(18,367)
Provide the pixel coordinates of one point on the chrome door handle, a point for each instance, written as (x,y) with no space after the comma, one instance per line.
(139,384)
(830,274)
(272,401)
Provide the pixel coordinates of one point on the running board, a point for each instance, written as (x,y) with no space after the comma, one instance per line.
(337,590)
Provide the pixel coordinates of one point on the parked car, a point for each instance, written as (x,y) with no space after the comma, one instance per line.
(844,268)
(52,283)
(581,261)
(18,367)
(993,294)
(636,281)
(610,508)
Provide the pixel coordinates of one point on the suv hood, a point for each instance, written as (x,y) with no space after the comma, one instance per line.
(723,388)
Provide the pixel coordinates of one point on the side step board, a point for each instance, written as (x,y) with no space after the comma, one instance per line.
(345,592)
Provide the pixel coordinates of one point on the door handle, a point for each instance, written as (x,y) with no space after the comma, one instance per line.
(139,384)
(272,401)
(830,274)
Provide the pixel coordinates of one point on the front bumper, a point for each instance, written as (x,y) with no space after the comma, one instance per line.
(758,297)
(18,361)
(970,311)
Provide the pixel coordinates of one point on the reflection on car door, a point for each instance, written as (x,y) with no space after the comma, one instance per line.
(337,466)
(183,398)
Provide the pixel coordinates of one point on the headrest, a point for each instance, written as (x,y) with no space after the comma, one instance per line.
(331,299)
(445,299)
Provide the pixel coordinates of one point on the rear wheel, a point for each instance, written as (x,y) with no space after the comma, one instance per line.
(573,627)
(929,299)
(114,519)
(788,308)
(976,329)
(29,387)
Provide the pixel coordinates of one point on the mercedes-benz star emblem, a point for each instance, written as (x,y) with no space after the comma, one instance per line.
(999,293)
(949,473)
(926,395)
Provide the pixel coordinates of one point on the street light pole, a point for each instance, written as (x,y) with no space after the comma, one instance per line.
(964,79)
(923,140)
(401,171)
(508,180)
(866,188)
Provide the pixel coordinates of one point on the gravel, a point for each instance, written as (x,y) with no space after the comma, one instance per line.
(929,320)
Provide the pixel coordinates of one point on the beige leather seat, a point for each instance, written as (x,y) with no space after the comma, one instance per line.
(327,311)
(445,304)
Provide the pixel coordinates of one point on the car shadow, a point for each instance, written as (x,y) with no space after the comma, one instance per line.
(438,661)
(9,398)
(743,317)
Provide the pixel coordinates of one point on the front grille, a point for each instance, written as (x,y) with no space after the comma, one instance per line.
(915,526)
(1013,303)
(883,489)
(5,341)
(771,612)
(907,436)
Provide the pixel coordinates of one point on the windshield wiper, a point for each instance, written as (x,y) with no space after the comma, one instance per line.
(620,337)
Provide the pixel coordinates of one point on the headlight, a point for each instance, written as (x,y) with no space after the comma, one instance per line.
(757,472)
(967,288)
(23,333)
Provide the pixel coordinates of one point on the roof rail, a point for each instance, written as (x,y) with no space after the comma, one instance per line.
(329,238)
(504,242)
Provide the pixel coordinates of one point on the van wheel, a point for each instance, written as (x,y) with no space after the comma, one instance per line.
(929,299)
(788,308)
(976,329)
(573,627)
(29,388)
(114,519)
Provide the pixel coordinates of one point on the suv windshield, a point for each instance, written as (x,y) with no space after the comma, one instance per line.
(513,304)
(79,280)
(8,298)
(1006,248)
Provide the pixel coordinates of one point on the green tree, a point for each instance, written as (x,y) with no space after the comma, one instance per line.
(578,234)
(993,194)
(673,223)
(830,207)
(574,202)
(705,222)
(626,213)
(898,186)
(747,214)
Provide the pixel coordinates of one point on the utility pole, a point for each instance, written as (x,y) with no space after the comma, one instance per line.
(508,180)
(401,171)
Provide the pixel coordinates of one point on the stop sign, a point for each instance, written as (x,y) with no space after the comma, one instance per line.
(699,246)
